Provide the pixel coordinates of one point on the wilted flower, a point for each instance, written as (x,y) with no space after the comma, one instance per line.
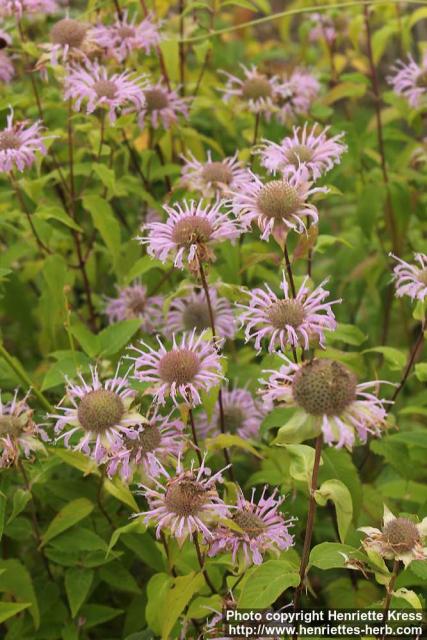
(410,279)
(288,321)
(125,36)
(156,440)
(162,106)
(19,144)
(189,232)
(181,372)
(102,411)
(257,90)
(399,539)
(242,415)
(260,528)
(213,177)
(296,95)
(18,432)
(94,85)
(21,7)
(329,399)
(410,80)
(188,503)
(133,302)
(278,205)
(311,149)
(192,312)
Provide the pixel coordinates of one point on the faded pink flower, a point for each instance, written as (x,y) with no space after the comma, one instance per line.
(323,29)
(411,280)
(242,415)
(213,177)
(94,85)
(255,89)
(410,80)
(262,528)
(7,70)
(133,302)
(190,366)
(288,321)
(123,37)
(21,7)
(70,40)
(311,149)
(296,95)
(162,107)
(192,312)
(19,144)
(19,435)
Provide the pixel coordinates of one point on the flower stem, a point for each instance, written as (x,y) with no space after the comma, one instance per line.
(181,47)
(22,375)
(43,248)
(202,563)
(194,434)
(389,593)
(99,499)
(415,349)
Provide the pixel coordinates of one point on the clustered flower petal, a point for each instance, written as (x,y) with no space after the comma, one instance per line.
(410,80)
(296,95)
(192,312)
(411,279)
(255,89)
(123,37)
(21,7)
(242,415)
(162,106)
(133,302)
(213,177)
(19,143)
(19,435)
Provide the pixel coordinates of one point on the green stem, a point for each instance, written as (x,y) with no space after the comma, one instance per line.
(20,372)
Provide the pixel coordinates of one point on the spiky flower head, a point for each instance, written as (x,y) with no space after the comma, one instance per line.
(257,91)
(296,94)
(190,366)
(187,503)
(133,302)
(125,35)
(288,321)
(100,415)
(162,107)
(410,80)
(19,435)
(329,400)
(243,415)
(411,279)
(309,148)
(260,528)
(19,144)
(94,85)
(189,233)
(213,177)
(399,539)
(70,41)
(192,312)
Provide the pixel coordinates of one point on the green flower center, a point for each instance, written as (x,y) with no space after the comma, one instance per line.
(255,88)
(251,524)
(156,99)
(286,312)
(217,172)
(324,387)
(279,200)
(100,410)
(401,534)
(192,230)
(179,366)
(68,32)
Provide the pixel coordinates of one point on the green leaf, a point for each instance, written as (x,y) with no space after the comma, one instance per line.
(121,491)
(116,575)
(347,333)
(395,357)
(57,213)
(3,502)
(328,555)
(227,440)
(95,614)
(177,598)
(9,609)
(141,266)
(77,586)
(302,461)
(265,583)
(89,342)
(157,589)
(15,580)
(137,525)
(117,335)
(77,460)
(409,596)
(21,498)
(67,517)
(336,491)
(106,223)
(67,365)
(421,371)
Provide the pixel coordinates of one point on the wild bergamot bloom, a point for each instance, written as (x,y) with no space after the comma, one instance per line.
(7,70)
(287,321)
(296,94)
(410,80)
(98,88)
(22,7)
(156,440)
(277,206)
(192,312)
(133,302)
(260,528)
(329,400)
(125,35)
(189,233)
(187,503)
(255,89)
(100,413)
(182,371)
(19,144)
(312,149)
(411,279)
(162,107)
(242,415)
(70,40)
(399,539)
(213,177)
(19,435)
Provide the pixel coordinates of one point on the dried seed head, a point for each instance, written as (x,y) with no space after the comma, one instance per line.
(324,387)
(100,410)
(251,524)
(185,496)
(286,312)
(217,172)
(68,32)
(278,199)
(105,89)
(148,440)
(255,88)
(192,230)
(196,316)
(233,419)
(401,535)
(9,140)
(299,153)
(179,366)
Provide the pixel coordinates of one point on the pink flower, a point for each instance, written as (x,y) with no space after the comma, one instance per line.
(21,7)
(133,302)
(278,205)
(262,528)
(323,29)
(70,40)
(19,144)
(296,95)
(242,415)
(19,435)
(188,503)
(410,279)
(311,149)
(329,400)
(155,442)
(192,312)
(256,90)
(125,36)
(102,411)
(162,106)
(7,70)
(410,80)
(94,85)
(288,321)
(213,177)
(189,232)
(181,372)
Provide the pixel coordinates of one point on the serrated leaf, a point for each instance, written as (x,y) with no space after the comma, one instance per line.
(16,581)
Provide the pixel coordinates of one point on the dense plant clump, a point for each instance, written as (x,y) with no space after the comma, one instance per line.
(213,286)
